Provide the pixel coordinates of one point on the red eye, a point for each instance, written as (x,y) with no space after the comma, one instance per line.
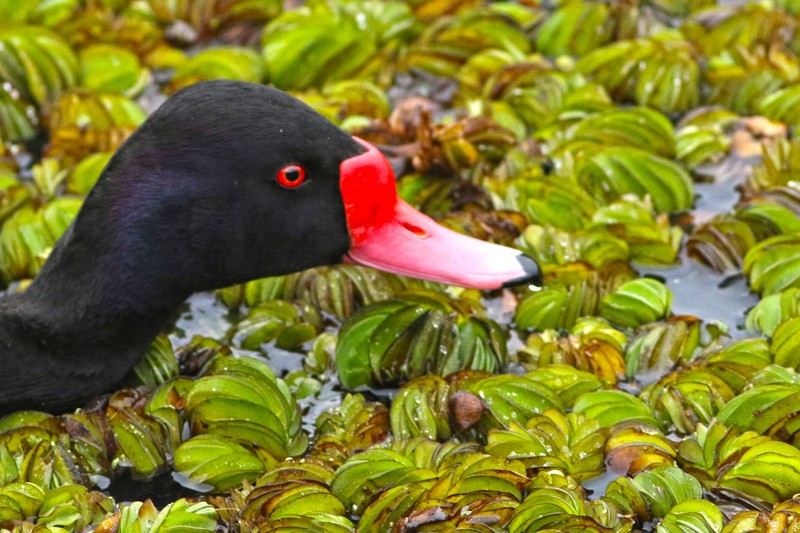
(291,176)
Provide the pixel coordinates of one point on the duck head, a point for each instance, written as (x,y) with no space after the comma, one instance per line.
(224,183)
(230,181)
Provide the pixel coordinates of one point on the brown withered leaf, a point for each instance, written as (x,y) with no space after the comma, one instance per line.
(466,410)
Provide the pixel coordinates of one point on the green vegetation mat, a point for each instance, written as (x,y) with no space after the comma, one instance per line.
(579,132)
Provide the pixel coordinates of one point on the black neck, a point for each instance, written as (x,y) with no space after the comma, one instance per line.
(103,295)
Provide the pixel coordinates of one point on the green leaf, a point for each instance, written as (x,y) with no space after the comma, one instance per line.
(217,461)
(611,407)
(111,68)
(664,488)
(637,302)
(617,171)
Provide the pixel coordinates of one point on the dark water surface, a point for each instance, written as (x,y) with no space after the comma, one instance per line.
(162,490)
(696,289)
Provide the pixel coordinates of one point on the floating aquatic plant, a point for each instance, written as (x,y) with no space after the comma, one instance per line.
(70,507)
(650,237)
(18,119)
(782,513)
(740,77)
(637,302)
(570,292)
(449,41)
(597,247)
(81,123)
(683,399)
(773,400)
(395,340)
(566,381)
(746,27)
(638,446)
(773,310)
(576,28)
(770,265)
(783,345)
(669,80)
(442,473)
(635,127)
(232,63)
(142,442)
(738,362)
(506,398)
(554,508)
(158,365)
(37,12)
(243,420)
(612,406)
(289,326)
(536,97)
(112,68)
(703,136)
(725,460)
(338,290)
(86,172)
(723,242)
(778,167)
(422,409)
(29,235)
(291,491)
(661,346)
(353,426)
(547,200)
(574,132)
(693,514)
(13,195)
(37,63)
(618,171)
(214,15)
(594,352)
(144,517)
(571,443)
(664,488)
(335,37)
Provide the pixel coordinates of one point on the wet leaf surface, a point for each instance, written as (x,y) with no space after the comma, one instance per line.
(640,151)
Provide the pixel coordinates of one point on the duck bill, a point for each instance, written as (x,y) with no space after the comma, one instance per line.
(413,244)
(388,234)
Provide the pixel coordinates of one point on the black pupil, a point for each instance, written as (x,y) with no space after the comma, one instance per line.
(292,174)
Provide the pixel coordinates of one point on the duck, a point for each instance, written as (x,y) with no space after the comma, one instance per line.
(224,183)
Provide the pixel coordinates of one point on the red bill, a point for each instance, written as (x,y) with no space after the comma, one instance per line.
(388,234)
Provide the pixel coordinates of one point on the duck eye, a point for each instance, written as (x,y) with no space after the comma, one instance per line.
(291,176)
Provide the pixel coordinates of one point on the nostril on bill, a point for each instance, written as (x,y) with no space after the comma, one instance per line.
(416,230)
